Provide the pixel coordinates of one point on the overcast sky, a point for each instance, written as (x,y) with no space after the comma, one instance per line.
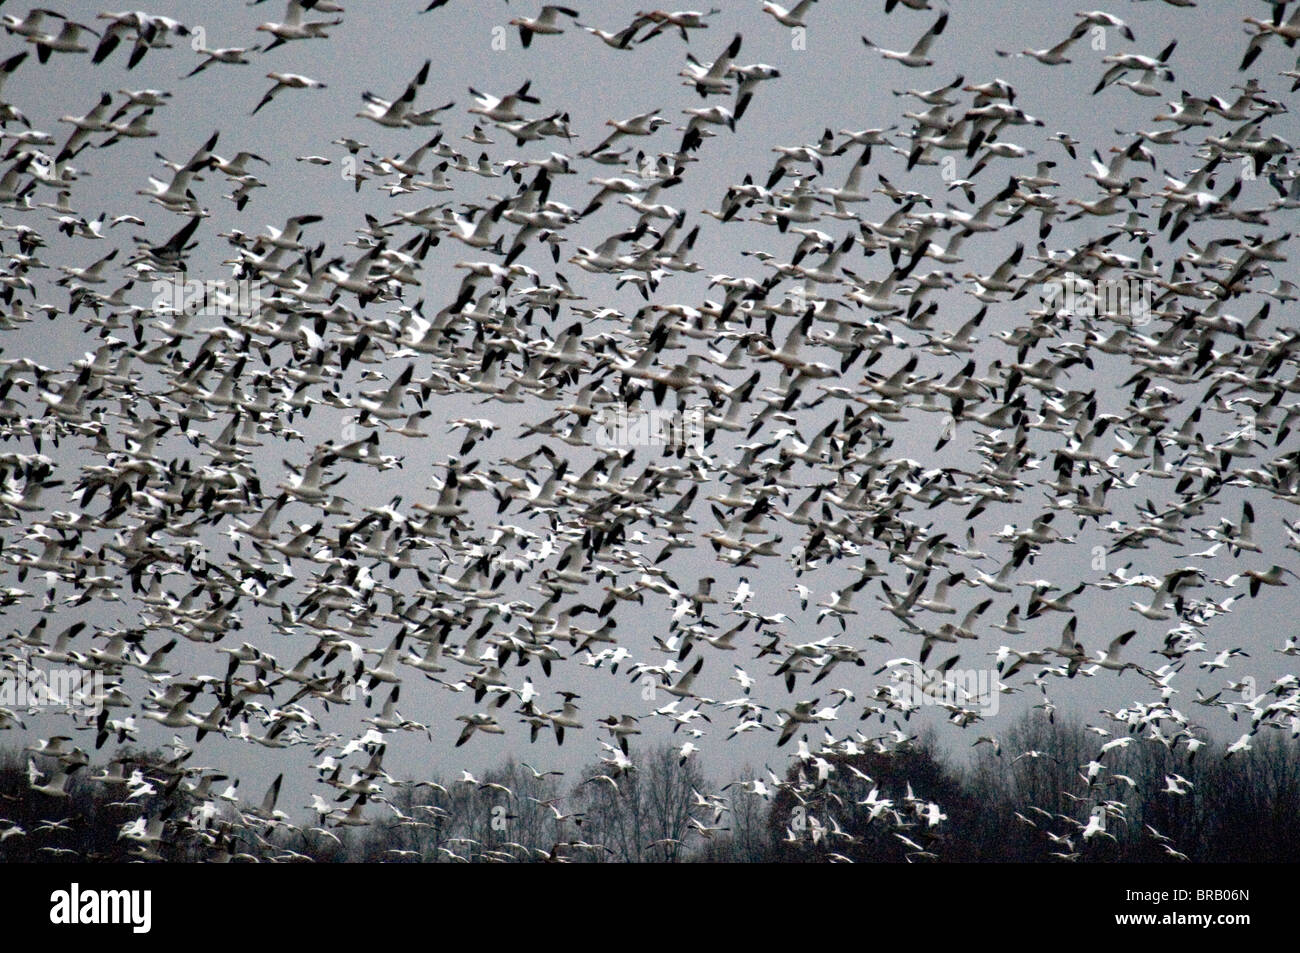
(828,80)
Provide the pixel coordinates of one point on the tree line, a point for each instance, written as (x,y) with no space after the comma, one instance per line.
(1042,792)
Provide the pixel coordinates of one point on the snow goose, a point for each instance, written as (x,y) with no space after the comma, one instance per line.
(394,114)
(286,81)
(712,77)
(792,17)
(546,23)
(294,27)
(918,55)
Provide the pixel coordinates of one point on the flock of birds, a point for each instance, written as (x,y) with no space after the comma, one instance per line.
(857,414)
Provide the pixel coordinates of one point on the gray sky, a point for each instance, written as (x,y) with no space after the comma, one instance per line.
(832,82)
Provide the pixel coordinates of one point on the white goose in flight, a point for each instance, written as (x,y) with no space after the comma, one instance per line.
(918,55)
(546,23)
